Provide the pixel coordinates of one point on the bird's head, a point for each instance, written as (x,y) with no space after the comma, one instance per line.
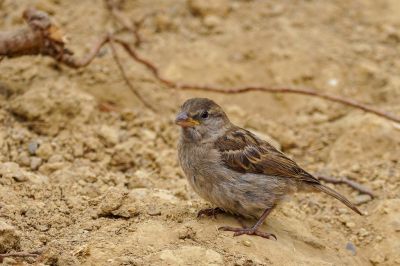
(201,118)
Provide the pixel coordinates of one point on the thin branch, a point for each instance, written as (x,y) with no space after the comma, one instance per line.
(344,180)
(125,76)
(41,36)
(174,85)
(113,7)
(19,255)
(82,62)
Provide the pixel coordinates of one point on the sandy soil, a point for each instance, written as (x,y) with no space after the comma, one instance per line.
(104,188)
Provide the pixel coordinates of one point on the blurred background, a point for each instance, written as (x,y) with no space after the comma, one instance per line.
(88,175)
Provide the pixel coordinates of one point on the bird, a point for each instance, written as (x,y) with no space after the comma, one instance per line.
(235,170)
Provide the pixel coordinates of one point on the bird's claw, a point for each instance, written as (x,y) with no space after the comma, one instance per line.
(247,231)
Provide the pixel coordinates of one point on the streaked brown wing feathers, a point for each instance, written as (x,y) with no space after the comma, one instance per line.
(243,152)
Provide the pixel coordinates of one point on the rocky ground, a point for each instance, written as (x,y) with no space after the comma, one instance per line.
(89,185)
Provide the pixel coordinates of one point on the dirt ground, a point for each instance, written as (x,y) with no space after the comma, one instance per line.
(89,187)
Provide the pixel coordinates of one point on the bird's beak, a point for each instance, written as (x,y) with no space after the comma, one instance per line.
(184,120)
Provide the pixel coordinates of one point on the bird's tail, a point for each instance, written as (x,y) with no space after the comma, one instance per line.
(336,195)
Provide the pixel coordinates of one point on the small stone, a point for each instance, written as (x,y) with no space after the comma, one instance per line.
(247,243)
(44,151)
(48,168)
(109,134)
(333,82)
(396,225)
(32,147)
(377,259)
(35,163)
(361,199)
(148,134)
(9,237)
(186,233)
(112,200)
(163,22)
(356,168)
(350,247)
(363,232)
(154,211)
(212,21)
(350,224)
(23,159)
(56,158)
(12,170)
(208,7)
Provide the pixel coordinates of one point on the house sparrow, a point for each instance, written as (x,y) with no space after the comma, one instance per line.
(234,169)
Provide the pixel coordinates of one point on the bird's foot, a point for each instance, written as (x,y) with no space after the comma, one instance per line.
(210,212)
(247,231)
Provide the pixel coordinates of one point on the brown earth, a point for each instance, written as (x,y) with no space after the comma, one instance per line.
(104,188)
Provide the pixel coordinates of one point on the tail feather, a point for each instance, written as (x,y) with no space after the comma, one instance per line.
(336,195)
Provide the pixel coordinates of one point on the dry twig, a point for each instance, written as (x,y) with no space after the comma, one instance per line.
(125,76)
(42,37)
(115,10)
(344,180)
(113,7)
(19,255)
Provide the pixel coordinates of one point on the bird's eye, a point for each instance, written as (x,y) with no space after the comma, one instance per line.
(204,115)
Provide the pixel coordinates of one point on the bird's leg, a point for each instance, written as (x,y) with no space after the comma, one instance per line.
(252,230)
(210,212)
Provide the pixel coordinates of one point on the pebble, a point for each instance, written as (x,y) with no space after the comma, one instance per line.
(56,158)
(35,162)
(23,159)
(163,22)
(44,151)
(209,7)
(109,134)
(377,259)
(153,211)
(333,82)
(32,147)
(212,21)
(186,233)
(9,237)
(112,200)
(361,199)
(363,232)
(351,247)
(396,225)
(350,224)
(247,243)
(12,170)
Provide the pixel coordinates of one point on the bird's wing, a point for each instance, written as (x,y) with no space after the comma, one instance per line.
(244,152)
